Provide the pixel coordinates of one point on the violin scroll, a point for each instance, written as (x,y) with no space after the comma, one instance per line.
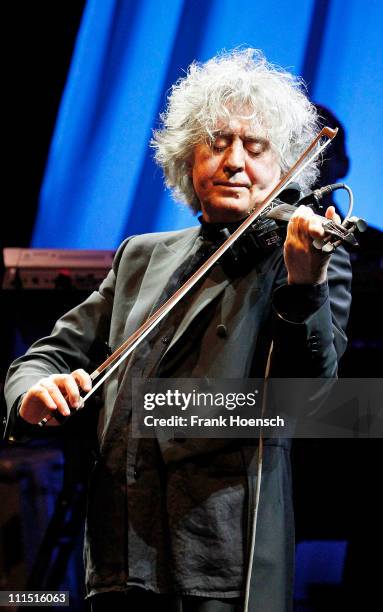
(336,234)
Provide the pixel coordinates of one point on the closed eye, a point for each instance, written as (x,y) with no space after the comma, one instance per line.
(256,148)
(255,153)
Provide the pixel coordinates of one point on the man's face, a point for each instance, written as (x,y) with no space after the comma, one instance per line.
(234,174)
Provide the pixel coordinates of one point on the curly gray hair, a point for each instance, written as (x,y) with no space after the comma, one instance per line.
(240,83)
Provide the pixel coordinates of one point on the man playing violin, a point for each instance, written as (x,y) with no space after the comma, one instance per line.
(173,532)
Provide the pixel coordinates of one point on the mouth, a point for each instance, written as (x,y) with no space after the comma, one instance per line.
(231,185)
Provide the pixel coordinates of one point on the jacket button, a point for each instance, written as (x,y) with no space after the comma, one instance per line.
(165,340)
(221,330)
(136,473)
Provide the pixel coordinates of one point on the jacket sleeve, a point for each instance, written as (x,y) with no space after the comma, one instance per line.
(78,339)
(309,322)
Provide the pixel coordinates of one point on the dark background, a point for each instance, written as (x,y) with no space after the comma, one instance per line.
(39,40)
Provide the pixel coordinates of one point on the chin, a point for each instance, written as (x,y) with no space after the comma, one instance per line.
(229,209)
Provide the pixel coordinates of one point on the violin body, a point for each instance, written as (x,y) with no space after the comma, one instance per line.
(335,233)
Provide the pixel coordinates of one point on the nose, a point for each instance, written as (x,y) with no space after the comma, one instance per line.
(235,158)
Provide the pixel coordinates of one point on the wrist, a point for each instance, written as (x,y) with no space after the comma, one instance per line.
(308,279)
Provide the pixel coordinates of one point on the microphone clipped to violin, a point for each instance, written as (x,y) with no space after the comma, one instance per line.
(335,233)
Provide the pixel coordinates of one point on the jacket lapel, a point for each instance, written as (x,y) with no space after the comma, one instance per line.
(210,289)
(163,263)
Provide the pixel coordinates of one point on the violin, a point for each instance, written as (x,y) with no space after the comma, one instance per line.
(269,230)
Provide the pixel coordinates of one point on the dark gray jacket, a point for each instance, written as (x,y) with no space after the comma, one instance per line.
(306,326)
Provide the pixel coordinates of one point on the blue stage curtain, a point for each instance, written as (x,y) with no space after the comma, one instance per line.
(101,183)
(350,82)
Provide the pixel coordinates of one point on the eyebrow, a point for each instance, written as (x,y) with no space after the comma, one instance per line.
(247,137)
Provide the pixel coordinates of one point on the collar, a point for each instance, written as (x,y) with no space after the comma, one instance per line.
(217,232)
